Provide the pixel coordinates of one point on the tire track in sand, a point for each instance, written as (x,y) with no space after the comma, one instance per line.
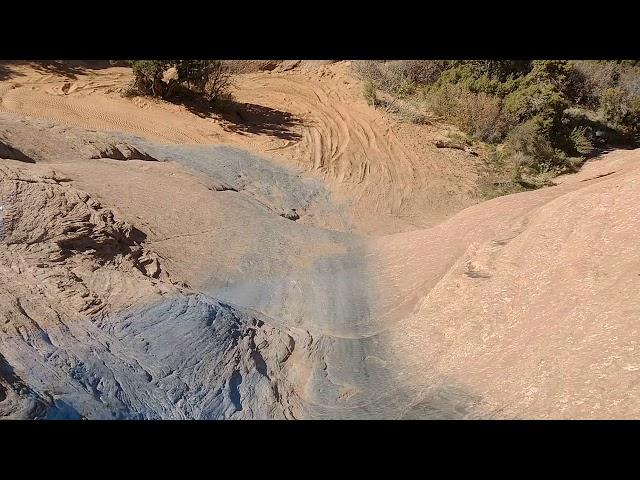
(389,174)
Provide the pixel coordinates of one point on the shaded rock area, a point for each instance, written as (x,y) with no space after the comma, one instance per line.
(284,191)
(71,271)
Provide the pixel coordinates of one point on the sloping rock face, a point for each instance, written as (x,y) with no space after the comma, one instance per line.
(96,325)
(215,284)
(73,279)
(32,140)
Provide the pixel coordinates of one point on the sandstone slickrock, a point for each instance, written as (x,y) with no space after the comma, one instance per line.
(217,283)
(71,274)
(32,140)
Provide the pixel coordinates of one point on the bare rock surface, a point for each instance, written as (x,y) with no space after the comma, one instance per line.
(74,278)
(33,140)
(98,326)
(217,283)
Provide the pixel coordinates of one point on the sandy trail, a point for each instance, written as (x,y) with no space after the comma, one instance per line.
(390,174)
(361,152)
(92,101)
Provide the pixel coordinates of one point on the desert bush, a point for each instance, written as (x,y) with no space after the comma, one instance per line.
(462,75)
(396,78)
(621,109)
(509,173)
(407,110)
(553,72)
(400,76)
(419,72)
(581,140)
(391,77)
(410,115)
(461,138)
(595,77)
(528,141)
(499,69)
(600,76)
(536,99)
(368,70)
(369,92)
(537,152)
(519,161)
(629,81)
(478,114)
(148,77)
(595,127)
(210,79)
(485,76)
(545,109)
(578,88)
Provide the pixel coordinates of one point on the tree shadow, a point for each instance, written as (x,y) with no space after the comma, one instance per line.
(65,68)
(260,120)
(598,151)
(58,67)
(242,118)
(6,72)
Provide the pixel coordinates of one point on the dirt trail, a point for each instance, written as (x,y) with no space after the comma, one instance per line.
(396,178)
(92,100)
(389,173)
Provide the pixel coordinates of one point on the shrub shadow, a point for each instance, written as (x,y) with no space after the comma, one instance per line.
(65,68)
(242,118)
(6,72)
(260,120)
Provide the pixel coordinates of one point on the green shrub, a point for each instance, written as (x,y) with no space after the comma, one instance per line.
(581,141)
(629,81)
(553,72)
(148,77)
(400,77)
(545,109)
(369,70)
(613,105)
(536,100)
(538,154)
(460,138)
(395,77)
(621,109)
(210,79)
(478,114)
(482,77)
(594,78)
(420,72)
(369,92)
